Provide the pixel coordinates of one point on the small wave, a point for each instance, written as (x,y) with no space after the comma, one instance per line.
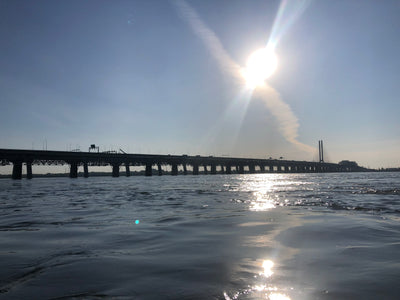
(328,203)
(168,219)
(204,192)
(41,266)
(85,296)
(380,192)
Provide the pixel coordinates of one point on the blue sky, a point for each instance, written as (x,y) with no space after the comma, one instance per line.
(136,75)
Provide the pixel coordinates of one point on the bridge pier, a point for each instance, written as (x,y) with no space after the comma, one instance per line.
(241,169)
(252,169)
(174,171)
(228,169)
(17,170)
(85,170)
(73,171)
(195,169)
(29,170)
(213,169)
(127,170)
(148,171)
(115,170)
(184,169)
(222,169)
(205,170)
(159,169)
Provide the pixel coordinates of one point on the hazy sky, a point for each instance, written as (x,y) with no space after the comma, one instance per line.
(152,77)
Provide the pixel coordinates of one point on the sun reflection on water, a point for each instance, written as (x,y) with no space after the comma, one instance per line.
(262,201)
(277,296)
(263,290)
(267,265)
(269,191)
(263,193)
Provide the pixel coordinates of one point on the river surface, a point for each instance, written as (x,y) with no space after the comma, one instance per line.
(261,236)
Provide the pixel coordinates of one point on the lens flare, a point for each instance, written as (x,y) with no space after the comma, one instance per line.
(260,66)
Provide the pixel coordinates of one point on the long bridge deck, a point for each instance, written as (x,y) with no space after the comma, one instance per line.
(209,164)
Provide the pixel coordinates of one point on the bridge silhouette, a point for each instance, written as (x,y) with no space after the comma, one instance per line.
(206,164)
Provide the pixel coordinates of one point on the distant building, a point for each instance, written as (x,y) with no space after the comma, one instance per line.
(348,164)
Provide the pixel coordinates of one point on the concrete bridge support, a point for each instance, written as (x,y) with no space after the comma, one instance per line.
(241,169)
(228,169)
(262,168)
(223,169)
(85,170)
(213,169)
(73,171)
(174,171)
(205,170)
(17,170)
(115,170)
(159,169)
(148,171)
(29,170)
(252,169)
(184,169)
(195,169)
(127,170)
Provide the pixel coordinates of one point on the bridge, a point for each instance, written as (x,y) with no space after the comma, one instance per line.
(196,164)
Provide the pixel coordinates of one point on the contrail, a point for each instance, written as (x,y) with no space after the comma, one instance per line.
(288,122)
(209,38)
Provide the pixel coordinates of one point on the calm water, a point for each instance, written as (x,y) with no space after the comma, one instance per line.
(269,236)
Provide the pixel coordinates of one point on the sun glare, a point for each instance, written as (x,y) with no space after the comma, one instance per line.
(261,64)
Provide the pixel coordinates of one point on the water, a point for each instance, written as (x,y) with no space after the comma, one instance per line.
(263,236)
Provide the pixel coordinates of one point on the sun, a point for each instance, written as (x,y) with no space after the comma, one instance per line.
(261,64)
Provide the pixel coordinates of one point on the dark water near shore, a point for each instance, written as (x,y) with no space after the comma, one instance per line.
(264,236)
